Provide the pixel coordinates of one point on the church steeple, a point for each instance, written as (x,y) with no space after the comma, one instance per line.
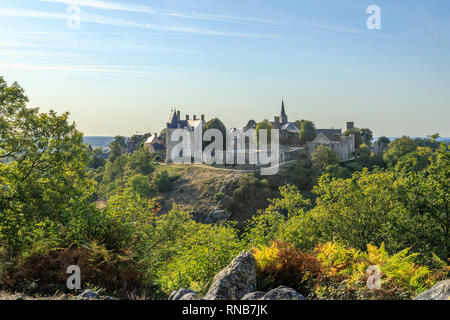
(284,118)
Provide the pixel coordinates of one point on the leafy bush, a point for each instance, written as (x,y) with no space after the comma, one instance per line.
(345,273)
(141,185)
(45,272)
(283,264)
(162,182)
(184,253)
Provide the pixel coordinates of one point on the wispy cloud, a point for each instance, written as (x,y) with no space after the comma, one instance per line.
(90,68)
(218,17)
(98,19)
(150,10)
(32,14)
(106,5)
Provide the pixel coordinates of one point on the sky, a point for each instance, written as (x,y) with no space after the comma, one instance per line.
(128,63)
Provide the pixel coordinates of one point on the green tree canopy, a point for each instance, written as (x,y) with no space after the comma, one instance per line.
(323,157)
(215,124)
(399,148)
(266,125)
(307,131)
(45,173)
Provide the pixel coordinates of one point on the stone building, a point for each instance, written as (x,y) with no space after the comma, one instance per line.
(190,125)
(155,144)
(343,145)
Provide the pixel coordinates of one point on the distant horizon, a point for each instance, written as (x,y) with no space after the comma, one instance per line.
(120,66)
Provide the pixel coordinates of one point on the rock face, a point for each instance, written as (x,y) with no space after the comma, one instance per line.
(235,281)
(190,296)
(440,291)
(181,293)
(217,216)
(283,293)
(90,294)
(253,295)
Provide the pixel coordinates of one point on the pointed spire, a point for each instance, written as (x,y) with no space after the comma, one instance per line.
(284,118)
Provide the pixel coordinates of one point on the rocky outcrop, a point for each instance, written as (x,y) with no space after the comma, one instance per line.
(253,295)
(217,216)
(235,281)
(181,293)
(280,293)
(90,294)
(440,291)
(191,296)
(283,293)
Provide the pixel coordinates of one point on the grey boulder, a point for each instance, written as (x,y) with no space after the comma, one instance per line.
(440,291)
(178,294)
(235,280)
(283,293)
(253,295)
(90,294)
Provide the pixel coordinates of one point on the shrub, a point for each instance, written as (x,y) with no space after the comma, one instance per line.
(45,272)
(283,264)
(162,182)
(184,253)
(345,273)
(141,185)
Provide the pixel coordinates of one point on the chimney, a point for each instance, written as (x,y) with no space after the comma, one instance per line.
(187,117)
(178,115)
(350,125)
(195,117)
(203,117)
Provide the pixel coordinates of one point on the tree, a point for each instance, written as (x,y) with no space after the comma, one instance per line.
(384,140)
(399,148)
(426,196)
(96,159)
(361,136)
(416,161)
(141,162)
(162,182)
(307,132)
(366,136)
(323,157)
(142,185)
(116,148)
(264,125)
(215,124)
(45,174)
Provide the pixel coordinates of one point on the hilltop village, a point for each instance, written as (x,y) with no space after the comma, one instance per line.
(291,139)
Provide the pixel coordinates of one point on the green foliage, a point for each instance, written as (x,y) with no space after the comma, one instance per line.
(345,273)
(215,124)
(249,192)
(336,171)
(384,140)
(398,149)
(141,185)
(283,264)
(47,169)
(162,182)
(184,253)
(362,136)
(323,157)
(415,161)
(141,162)
(264,125)
(307,131)
(96,159)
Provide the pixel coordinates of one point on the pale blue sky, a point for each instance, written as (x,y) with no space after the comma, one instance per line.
(131,61)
